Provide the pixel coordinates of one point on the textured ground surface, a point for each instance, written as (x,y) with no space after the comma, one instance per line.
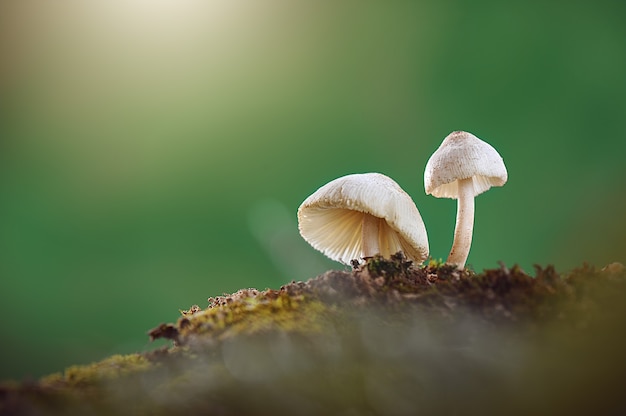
(388,338)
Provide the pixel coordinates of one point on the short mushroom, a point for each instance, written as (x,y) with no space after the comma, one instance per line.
(462,167)
(358,216)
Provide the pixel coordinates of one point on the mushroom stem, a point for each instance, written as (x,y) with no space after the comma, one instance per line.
(464,224)
(369,235)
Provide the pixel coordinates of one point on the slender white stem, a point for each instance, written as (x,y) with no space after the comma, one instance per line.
(464,224)
(369,235)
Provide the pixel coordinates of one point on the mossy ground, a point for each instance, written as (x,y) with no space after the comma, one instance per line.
(385,338)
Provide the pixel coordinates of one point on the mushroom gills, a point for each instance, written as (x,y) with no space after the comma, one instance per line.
(379,238)
(363,235)
(370,232)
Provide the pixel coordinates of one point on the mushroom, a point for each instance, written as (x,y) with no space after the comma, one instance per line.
(462,167)
(358,216)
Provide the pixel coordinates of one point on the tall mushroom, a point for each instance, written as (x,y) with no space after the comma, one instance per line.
(462,167)
(360,215)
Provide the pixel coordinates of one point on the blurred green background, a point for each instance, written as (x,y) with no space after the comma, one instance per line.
(153,153)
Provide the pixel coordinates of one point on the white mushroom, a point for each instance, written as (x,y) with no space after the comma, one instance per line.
(360,215)
(461,168)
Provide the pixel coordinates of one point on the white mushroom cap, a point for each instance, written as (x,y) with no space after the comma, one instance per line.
(461,156)
(332,218)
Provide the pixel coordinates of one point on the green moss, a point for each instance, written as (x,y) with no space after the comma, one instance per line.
(272,310)
(434,263)
(110,368)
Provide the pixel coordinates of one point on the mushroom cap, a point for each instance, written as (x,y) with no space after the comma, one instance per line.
(462,155)
(331,218)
